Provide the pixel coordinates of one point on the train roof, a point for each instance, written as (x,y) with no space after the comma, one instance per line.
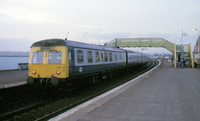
(62,42)
(131,51)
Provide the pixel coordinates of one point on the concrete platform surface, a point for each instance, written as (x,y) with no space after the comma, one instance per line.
(166,94)
(13,78)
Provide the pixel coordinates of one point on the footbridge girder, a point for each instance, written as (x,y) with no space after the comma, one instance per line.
(147,42)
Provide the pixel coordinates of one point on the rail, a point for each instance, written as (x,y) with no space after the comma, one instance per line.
(153,65)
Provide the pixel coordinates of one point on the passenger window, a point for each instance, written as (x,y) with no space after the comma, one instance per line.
(89,57)
(110,57)
(102,57)
(97,56)
(80,58)
(106,56)
(37,57)
(115,57)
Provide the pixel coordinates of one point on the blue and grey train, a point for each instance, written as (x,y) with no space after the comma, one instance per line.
(57,60)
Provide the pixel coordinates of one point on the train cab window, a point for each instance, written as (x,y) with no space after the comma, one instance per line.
(97,56)
(37,57)
(106,56)
(110,57)
(55,57)
(89,57)
(80,58)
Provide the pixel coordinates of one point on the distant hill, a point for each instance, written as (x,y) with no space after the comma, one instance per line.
(13,54)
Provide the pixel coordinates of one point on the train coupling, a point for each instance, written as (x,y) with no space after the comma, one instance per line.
(30,80)
(54,81)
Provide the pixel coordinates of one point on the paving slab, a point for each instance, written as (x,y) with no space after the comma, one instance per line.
(13,78)
(166,94)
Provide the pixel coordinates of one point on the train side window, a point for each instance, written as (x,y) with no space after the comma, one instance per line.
(97,56)
(118,57)
(123,57)
(89,57)
(37,57)
(115,57)
(106,56)
(80,58)
(110,57)
(101,56)
(70,57)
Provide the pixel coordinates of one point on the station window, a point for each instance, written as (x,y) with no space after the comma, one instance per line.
(89,57)
(55,57)
(37,57)
(106,56)
(80,58)
(110,57)
(97,56)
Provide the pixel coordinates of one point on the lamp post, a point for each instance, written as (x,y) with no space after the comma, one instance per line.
(101,42)
(194,29)
(67,35)
(182,35)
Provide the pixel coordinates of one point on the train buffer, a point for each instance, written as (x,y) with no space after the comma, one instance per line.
(23,66)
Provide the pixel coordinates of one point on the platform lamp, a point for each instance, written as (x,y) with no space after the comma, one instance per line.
(67,35)
(194,29)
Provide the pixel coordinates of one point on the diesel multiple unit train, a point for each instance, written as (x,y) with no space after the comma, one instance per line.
(57,60)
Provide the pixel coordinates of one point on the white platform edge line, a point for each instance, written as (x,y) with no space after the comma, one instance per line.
(73,110)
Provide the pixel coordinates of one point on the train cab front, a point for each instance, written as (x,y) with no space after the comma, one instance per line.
(48,64)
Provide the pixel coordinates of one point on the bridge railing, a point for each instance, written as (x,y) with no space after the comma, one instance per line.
(147,42)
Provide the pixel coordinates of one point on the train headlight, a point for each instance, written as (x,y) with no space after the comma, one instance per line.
(34,72)
(57,72)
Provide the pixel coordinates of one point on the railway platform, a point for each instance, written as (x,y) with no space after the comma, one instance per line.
(165,94)
(13,78)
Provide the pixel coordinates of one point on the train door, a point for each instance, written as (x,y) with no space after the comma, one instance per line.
(71,61)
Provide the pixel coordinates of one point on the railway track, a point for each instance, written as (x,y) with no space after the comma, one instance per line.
(50,107)
(15,101)
(48,116)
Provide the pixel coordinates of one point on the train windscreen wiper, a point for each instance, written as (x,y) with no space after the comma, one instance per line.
(58,53)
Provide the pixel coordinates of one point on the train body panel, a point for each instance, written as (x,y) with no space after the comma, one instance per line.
(94,69)
(144,58)
(90,59)
(133,58)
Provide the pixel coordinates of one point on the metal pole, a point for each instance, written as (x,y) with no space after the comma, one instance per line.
(174,55)
(182,44)
(198,47)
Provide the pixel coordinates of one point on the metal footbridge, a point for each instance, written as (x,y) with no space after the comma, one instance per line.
(152,42)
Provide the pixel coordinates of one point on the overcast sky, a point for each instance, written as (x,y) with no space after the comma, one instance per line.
(23,22)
